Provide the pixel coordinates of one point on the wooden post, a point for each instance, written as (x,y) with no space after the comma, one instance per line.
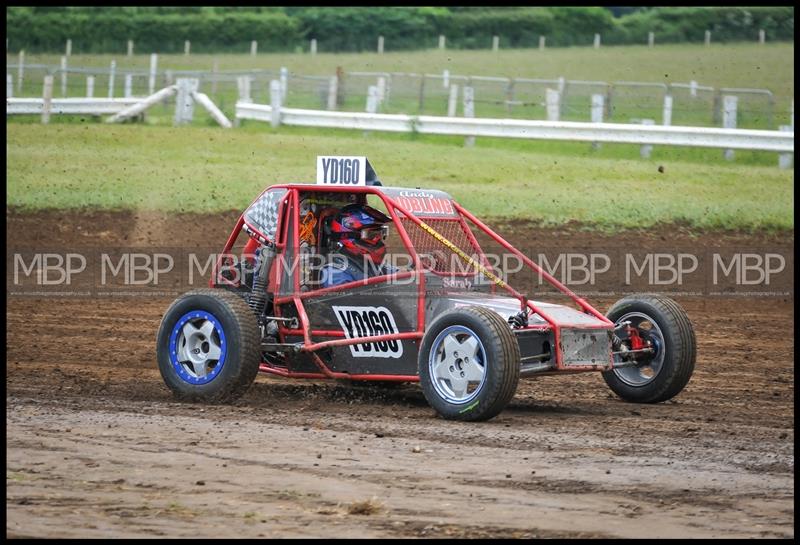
(708,38)
(785,160)
(243,84)
(63,75)
(112,71)
(452,101)
(651,39)
(552,100)
(20,70)
(469,111)
(693,88)
(9,86)
(340,90)
(647,149)
(597,113)
(275,100)
(69,48)
(422,95)
(597,41)
(47,96)
(762,37)
(381,90)
(253,48)
(314,46)
(666,117)
(184,103)
(128,85)
(187,47)
(729,103)
(89,86)
(332,92)
(442,41)
(446,78)
(284,83)
(214,70)
(130,48)
(541,43)
(495,43)
(151,83)
(372,99)
(380,45)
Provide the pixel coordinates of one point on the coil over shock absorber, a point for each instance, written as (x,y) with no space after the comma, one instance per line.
(258,297)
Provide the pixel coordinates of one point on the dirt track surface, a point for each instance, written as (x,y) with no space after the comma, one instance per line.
(96,447)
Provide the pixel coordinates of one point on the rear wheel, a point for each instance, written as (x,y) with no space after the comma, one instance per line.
(666,363)
(208,346)
(469,364)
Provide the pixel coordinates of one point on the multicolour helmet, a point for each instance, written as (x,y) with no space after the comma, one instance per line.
(361,230)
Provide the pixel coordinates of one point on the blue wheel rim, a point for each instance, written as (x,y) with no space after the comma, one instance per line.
(188,365)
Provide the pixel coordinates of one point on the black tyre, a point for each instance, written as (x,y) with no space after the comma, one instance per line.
(663,325)
(469,364)
(208,346)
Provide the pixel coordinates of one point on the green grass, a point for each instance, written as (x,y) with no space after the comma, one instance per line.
(197,169)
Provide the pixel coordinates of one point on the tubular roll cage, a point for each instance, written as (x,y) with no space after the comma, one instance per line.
(290,204)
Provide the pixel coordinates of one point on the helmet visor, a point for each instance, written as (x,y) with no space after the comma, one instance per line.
(375,234)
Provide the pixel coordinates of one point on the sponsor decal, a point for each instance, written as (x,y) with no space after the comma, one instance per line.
(343,171)
(423,203)
(457,283)
(368,322)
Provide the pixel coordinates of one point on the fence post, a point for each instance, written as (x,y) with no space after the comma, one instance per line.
(128,85)
(441,41)
(552,100)
(446,78)
(469,111)
(21,70)
(340,90)
(729,103)
(541,43)
(243,83)
(597,113)
(314,46)
(253,48)
(495,43)
(422,94)
(151,84)
(651,39)
(708,38)
(562,93)
(69,47)
(284,83)
(112,71)
(372,99)
(187,47)
(184,103)
(785,160)
(693,88)
(47,96)
(597,41)
(666,116)
(9,86)
(130,48)
(380,45)
(762,36)
(63,75)
(332,92)
(647,149)
(89,86)
(381,89)
(275,101)
(452,101)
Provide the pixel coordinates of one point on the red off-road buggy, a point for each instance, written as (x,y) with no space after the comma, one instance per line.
(446,318)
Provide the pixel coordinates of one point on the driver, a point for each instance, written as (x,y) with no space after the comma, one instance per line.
(358,231)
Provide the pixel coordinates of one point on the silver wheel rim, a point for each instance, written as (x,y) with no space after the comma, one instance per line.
(457,364)
(198,348)
(646,373)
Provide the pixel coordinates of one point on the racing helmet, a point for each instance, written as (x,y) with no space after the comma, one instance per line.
(360,231)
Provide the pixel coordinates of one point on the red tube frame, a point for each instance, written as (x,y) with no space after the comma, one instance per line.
(290,207)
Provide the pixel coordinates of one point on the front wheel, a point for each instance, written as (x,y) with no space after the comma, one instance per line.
(469,364)
(208,346)
(661,341)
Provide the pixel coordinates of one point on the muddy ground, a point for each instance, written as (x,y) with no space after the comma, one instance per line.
(96,447)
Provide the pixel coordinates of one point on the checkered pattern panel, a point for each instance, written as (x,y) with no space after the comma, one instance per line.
(263,214)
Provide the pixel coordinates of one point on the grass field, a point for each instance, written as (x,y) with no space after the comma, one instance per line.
(194,169)
(770,66)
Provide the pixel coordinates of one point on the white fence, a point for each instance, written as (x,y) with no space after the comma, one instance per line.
(777,141)
(71,106)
